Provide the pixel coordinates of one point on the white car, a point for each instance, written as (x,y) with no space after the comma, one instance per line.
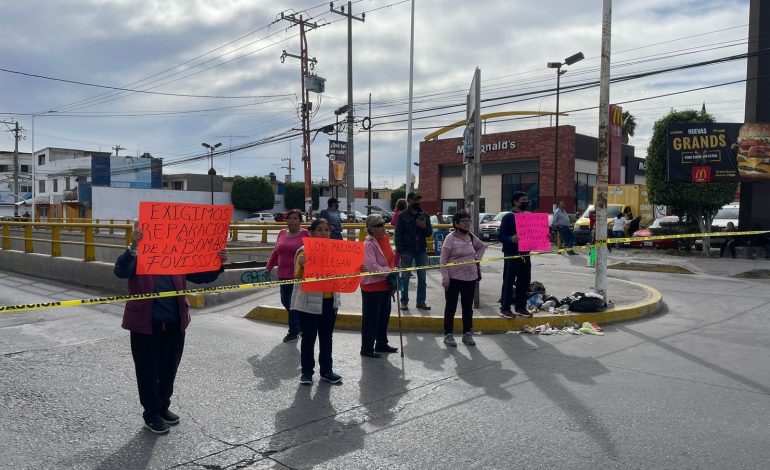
(260,217)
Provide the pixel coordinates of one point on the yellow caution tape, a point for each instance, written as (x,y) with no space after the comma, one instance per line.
(266,284)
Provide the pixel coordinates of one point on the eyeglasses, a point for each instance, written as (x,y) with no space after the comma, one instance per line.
(379,225)
(464,221)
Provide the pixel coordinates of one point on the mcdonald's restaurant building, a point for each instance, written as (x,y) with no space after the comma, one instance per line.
(522,161)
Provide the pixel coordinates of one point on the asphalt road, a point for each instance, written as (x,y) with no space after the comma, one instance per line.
(688,388)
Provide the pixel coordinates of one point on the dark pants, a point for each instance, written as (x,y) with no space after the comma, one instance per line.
(516,272)
(156,359)
(466,291)
(730,244)
(375,310)
(567,237)
(286,291)
(321,326)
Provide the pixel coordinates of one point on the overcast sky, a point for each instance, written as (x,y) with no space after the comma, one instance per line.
(232,48)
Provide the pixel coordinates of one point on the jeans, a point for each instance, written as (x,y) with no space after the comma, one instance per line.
(418,258)
(567,237)
(466,290)
(321,326)
(516,272)
(286,291)
(375,312)
(156,360)
(618,234)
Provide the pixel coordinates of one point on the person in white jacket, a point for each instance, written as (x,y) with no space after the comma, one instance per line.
(317,314)
(460,245)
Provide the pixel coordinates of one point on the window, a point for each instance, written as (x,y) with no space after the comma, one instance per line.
(25,189)
(177,185)
(82,212)
(25,168)
(67,183)
(451,206)
(527,182)
(41,186)
(41,159)
(43,210)
(584,190)
(4,168)
(55,185)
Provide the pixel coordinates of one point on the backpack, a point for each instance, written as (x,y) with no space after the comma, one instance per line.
(584,302)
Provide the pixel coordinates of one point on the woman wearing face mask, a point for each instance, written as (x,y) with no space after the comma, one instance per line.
(317,313)
(517,270)
(460,246)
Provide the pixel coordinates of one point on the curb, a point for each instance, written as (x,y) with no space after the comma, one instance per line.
(486,324)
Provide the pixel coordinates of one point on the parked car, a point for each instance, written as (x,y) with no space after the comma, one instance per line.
(485,217)
(728,213)
(279,217)
(668,225)
(387,216)
(260,217)
(488,230)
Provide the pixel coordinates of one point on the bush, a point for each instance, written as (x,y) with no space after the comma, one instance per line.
(252,194)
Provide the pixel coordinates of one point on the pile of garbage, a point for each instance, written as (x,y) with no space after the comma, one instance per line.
(587,328)
(539,300)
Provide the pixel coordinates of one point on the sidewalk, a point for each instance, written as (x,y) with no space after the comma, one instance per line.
(560,274)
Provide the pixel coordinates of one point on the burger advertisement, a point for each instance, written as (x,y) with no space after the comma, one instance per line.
(717,152)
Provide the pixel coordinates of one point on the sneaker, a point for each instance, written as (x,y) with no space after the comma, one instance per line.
(572,252)
(423,307)
(468,339)
(169,417)
(157,425)
(523,312)
(370,354)
(507,313)
(404,307)
(306,379)
(332,378)
(591,329)
(449,340)
(290,337)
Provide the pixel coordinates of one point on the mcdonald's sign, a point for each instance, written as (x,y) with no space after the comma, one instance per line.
(702,152)
(616,120)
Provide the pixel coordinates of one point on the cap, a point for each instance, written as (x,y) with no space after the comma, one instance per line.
(414,195)
(332,200)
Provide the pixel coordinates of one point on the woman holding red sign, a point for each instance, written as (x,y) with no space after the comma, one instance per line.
(286,246)
(317,312)
(376,289)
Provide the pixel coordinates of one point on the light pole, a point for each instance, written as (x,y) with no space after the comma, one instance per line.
(212,171)
(559,72)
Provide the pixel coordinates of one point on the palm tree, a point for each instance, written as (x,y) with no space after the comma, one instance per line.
(629,126)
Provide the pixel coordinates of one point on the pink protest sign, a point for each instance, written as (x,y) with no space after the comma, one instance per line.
(532,229)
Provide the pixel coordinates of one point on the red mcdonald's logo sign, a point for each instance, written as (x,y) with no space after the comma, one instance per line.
(701,174)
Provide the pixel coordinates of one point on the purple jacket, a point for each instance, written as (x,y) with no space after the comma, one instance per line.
(374,260)
(137,316)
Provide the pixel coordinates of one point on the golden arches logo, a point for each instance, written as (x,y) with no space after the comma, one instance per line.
(616,117)
(701,174)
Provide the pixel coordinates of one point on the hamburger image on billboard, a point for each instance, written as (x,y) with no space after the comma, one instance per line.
(754,151)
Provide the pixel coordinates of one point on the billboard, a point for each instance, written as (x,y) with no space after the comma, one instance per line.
(718,152)
(127,172)
(338,153)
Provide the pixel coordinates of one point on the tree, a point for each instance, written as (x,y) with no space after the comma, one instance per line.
(698,202)
(252,194)
(294,196)
(397,194)
(629,126)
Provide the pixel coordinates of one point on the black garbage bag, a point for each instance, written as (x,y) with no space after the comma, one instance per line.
(536,287)
(585,302)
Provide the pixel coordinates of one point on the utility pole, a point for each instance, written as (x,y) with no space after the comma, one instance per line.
(288,167)
(16,169)
(369,161)
(600,281)
(408,183)
(305,64)
(350,163)
(117,149)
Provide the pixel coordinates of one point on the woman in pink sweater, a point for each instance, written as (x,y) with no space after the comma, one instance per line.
(286,246)
(460,245)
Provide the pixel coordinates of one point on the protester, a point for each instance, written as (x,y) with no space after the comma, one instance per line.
(517,271)
(619,227)
(400,207)
(286,246)
(562,224)
(460,246)
(317,314)
(157,329)
(411,232)
(376,289)
(634,225)
(333,216)
(729,242)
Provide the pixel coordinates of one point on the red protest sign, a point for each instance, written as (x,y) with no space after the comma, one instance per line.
(532,229)
(181,238)
(329,257)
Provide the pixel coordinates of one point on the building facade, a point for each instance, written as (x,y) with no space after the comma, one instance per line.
(520,161)
(8,197)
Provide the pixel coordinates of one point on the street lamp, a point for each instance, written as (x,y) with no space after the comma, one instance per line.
(559,72)
(212,171)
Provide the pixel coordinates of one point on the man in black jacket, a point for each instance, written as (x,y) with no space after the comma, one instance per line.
(412,229)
